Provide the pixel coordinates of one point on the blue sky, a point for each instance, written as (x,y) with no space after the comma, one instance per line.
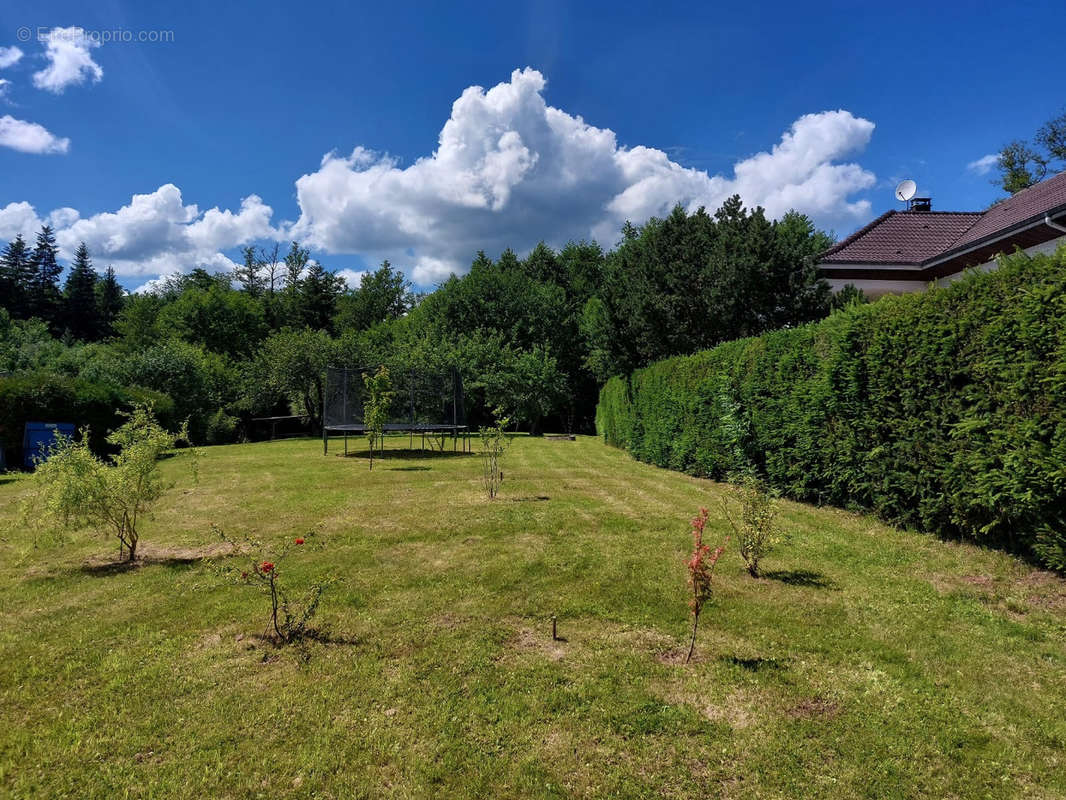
(623,111)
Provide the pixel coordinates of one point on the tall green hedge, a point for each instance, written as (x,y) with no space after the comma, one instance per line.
(944,410)
(49,397)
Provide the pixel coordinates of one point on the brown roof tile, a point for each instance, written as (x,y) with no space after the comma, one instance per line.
(903,237)
(1016,209)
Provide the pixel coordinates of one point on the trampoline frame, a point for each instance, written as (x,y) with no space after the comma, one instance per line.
(436,431)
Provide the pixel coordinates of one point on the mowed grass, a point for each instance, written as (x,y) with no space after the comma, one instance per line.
(869,662)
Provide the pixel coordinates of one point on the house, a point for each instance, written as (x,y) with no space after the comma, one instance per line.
(906,251)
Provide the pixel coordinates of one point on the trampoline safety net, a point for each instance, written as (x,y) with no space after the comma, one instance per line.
(423,402)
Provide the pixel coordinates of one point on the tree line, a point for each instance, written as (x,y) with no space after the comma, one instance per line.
(534,336)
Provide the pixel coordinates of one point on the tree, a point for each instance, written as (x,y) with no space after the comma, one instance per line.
(44,297)
(383,295)
(79,489)
(271,269)
(296,261)
(109,301)
(1021,164)
(318,297)
(291,366)
(16,274)
(249,273)
(219,318)
(690,281)
(82,317)
(376,406)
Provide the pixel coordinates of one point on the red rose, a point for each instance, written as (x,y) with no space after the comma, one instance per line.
(267,566)
(299,541)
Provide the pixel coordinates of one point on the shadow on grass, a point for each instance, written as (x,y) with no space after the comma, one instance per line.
(118,567)
(407,469)
(406,454)
(539,498)
(10,477)
(755,664)
(801,577)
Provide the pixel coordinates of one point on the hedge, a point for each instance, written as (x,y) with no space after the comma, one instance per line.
(944,411)
(49,397)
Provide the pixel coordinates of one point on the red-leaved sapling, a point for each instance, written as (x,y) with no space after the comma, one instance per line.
(700,572)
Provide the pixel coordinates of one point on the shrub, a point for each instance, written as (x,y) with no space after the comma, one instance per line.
(757,532)
(376,406)
(78,489)
(289,618)
(494,443)
(945,411)
(700,573)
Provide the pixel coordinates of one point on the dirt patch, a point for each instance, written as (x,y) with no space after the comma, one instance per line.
(678,655)
(449,621)
(737,708)
(526,640)
(1015,596)
(814,708)
(148,555)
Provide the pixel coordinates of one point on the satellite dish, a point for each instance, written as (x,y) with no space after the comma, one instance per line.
(906,189)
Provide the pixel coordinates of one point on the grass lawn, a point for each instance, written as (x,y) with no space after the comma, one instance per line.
(869,662)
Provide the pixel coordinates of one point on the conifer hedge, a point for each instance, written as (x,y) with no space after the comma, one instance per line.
(944,411)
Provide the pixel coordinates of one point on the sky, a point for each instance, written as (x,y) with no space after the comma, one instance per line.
(167,136)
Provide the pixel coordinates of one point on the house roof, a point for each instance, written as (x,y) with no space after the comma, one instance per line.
(903,237)
(1018,208)
(943,242)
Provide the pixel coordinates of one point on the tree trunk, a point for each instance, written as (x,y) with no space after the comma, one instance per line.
(692,644)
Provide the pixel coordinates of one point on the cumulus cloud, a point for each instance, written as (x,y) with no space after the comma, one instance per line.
(156,233)
(5,86)
(70,61)
(9,56)
(353,278)
(984,164)
(510,170)
(29,137)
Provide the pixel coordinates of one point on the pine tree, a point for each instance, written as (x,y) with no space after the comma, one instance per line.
(82,316)
(15,277)
(318,297)
(45,300)
(296,261)
(249,274)
(109,301)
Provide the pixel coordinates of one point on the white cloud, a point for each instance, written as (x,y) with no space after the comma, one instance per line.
(984,164)
(70,60)
(5,87)
(352,277)
(29,137)
(9,56)
(510,170)
(154,234)
(16,218)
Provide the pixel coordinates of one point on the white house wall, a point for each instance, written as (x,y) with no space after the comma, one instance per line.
(1047,248)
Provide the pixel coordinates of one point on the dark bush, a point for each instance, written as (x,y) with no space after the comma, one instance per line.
(945,410)
(48,397)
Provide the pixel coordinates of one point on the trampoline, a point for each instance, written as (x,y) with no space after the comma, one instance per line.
(426,404)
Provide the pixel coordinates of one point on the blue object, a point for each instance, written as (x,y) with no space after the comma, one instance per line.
(38,440)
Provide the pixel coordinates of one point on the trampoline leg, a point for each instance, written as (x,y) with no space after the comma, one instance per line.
(346,443)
